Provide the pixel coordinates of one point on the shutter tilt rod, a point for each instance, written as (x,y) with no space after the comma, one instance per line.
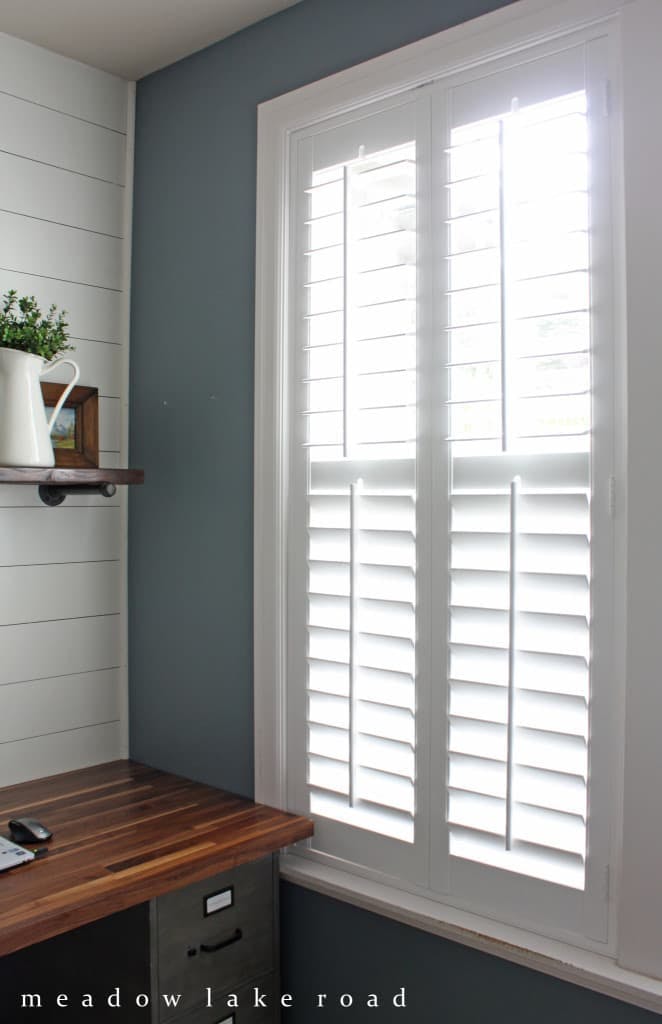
(54,494)
(502,292)
(505,126)
(354,492)
(345,316)
(512,616)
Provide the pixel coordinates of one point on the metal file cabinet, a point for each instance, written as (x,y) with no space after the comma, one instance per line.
(213,938)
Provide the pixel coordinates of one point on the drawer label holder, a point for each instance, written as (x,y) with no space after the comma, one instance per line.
(218,901)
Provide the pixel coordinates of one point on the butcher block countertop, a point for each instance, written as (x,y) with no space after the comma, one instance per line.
(122,834)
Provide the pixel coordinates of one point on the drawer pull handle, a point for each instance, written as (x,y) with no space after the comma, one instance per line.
(237,934)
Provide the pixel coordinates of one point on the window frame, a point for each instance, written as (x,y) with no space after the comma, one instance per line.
(630,895)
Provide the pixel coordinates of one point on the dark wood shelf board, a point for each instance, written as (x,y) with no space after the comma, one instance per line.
(122,834)
(61,477)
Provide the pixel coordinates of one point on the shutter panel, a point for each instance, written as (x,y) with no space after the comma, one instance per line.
(359,403)
(520,554)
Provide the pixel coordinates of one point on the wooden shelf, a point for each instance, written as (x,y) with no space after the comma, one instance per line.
(57,476)
(57,482)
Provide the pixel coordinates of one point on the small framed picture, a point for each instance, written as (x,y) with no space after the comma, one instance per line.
(75,433)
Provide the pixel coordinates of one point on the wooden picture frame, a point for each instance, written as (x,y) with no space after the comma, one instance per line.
(80,451)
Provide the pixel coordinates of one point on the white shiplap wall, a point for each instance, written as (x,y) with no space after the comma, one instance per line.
(66,146)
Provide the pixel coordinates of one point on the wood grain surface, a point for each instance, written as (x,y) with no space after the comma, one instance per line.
(68,477)
(122,834)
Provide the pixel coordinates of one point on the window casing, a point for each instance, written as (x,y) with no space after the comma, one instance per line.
(555,497)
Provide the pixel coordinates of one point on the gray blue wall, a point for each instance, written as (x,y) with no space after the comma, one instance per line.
(190,538)
(190,541)
(335,948)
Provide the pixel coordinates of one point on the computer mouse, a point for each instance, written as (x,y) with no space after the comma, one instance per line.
(27,830)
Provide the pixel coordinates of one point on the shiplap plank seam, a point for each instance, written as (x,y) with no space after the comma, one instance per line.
(64,280)
(60,618)
(61,224)
(94,341)
(61,167)
(35,565)
(82,561)
(62,113)
(62,675)
(58,732)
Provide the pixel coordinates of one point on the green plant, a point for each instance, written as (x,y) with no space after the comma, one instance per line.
(24,327)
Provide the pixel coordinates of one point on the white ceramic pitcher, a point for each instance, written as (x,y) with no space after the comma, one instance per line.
(24,430)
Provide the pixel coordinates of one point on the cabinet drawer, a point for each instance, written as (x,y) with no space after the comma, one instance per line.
(215,934)
(245,1012)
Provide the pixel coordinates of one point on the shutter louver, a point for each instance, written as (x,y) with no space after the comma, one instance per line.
(360,411)
(519,386)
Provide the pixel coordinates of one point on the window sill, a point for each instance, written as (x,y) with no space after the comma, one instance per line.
(577,966)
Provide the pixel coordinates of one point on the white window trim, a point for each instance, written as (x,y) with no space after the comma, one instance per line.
(558,959)
(636,896)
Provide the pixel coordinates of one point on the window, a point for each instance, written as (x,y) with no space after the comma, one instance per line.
(445,553)
(445,323)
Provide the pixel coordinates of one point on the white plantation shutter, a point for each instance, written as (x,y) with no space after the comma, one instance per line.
(356,382)
(450,402)
(520,523)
